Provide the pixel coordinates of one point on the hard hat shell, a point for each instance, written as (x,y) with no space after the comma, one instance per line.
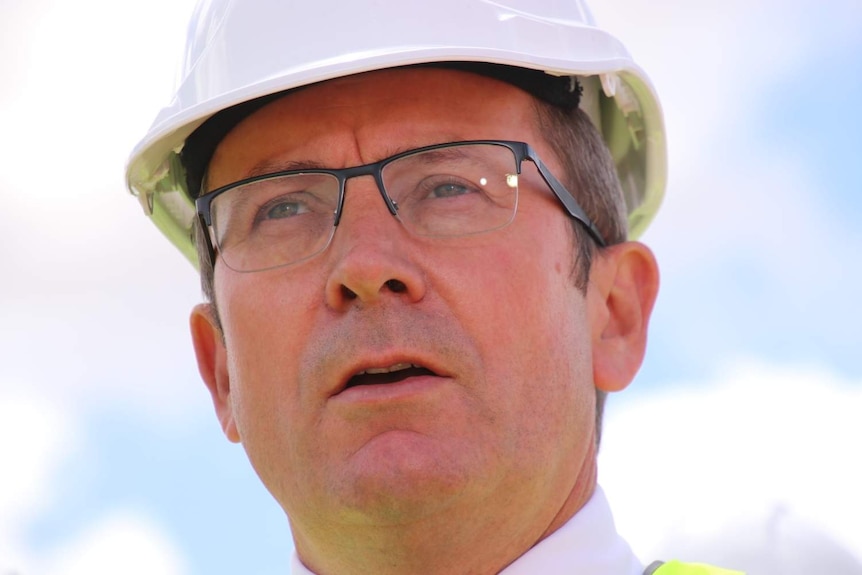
(239,50)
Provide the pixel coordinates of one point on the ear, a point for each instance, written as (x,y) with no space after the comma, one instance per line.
(212,365)
(623,287)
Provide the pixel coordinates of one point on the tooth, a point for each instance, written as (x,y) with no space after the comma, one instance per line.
(390,369)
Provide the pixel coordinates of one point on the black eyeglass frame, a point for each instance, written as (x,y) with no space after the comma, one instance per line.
(521,150)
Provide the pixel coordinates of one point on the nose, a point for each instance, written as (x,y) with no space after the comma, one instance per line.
(373,256)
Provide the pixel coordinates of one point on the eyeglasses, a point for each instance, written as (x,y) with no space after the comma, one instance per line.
(445,190)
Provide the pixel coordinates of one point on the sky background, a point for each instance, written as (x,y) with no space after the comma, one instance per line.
(737,443)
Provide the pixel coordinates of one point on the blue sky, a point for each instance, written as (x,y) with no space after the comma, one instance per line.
(115,453)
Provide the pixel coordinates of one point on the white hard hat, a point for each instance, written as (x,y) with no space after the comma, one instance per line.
(240,50)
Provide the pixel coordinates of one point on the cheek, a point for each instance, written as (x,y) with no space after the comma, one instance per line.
(266,326)
(266,315)
(521,293)
(266,322)
(520,304)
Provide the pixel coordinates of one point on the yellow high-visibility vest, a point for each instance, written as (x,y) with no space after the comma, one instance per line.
(678,568)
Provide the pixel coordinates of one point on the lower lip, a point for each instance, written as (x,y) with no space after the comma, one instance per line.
(406,389)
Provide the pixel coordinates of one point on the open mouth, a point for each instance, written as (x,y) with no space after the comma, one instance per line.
(391,374)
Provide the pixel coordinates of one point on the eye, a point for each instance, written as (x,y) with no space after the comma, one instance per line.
(279,209)
(449,190)
(440,187)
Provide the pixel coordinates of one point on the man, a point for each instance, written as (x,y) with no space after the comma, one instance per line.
(413,240)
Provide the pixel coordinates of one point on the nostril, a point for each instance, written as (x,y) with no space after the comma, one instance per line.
(347,293)
(396,286)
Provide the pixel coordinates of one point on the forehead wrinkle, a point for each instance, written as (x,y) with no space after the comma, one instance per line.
(390,148)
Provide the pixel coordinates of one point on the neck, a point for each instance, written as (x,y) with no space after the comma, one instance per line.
(471,537)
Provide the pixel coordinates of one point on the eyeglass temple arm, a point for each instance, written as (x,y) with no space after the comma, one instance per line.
(568,201)
(204,230)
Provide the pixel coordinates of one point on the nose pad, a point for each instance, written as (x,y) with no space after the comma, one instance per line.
(373,255)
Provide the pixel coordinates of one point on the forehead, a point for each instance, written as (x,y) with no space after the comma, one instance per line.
(366,117)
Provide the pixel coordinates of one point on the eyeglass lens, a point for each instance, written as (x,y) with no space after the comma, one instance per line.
(448,191)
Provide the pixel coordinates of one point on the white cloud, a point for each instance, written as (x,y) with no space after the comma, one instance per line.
(36,436)
(124,542)
(94,303)
(95,291)
(749,250)
(713,64)
(711,60)
(39,440)
(687,464)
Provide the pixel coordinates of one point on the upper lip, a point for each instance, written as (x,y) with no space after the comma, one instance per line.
(390,369)
(382,365)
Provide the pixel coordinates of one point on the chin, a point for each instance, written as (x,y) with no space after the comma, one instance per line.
(402,477)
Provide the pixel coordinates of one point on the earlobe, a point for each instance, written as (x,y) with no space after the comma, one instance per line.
(212,365)
(623,288)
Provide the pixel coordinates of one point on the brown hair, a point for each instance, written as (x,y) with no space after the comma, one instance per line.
(592,178)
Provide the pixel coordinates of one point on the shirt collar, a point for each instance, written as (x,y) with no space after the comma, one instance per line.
(587,544)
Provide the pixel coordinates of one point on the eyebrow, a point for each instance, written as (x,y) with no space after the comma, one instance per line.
(272,166)
(455,153)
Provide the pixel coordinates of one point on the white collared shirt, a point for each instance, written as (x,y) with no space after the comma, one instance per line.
(587,544)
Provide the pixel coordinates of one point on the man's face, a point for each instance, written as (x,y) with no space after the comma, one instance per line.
(503,407)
